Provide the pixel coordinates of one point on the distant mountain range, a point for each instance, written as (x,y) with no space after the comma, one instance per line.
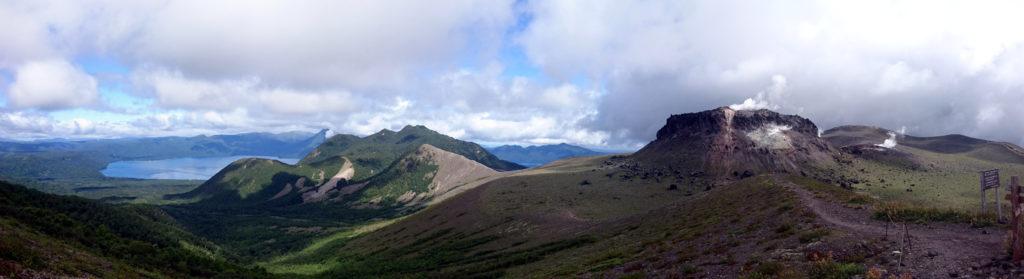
(84,159)
(532,156)
(290,144)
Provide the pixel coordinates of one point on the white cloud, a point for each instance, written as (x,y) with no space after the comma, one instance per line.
(22,39)
(899,77)
(293,102)
(560,97)
(174,90)
(51,84)
(610,72)
(353,43)
(83,126)
(21,123)
(484,106)
(989,116)
(934,66)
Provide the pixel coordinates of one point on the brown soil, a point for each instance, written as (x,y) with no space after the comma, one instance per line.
(935,250)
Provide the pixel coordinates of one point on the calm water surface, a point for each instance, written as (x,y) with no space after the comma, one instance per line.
(180,168)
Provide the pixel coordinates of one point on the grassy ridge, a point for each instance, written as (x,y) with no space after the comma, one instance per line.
(257,180)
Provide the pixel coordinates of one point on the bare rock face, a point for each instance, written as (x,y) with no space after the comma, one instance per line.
(726,142)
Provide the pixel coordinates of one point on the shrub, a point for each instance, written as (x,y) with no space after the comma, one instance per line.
(903,213)
(813,235)
(832,270)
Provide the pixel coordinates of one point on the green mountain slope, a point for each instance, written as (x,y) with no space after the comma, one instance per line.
(263,208)
(47,235)
(375,152)
(581,218)
(258,180)
(374,160)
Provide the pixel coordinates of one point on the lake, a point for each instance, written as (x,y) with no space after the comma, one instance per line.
(179,168)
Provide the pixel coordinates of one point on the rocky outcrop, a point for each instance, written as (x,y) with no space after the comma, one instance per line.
(725,142)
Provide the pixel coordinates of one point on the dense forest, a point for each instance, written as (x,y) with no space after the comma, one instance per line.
(72,236)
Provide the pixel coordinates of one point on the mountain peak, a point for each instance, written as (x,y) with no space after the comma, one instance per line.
(383,132)
(724,140)
(415,129)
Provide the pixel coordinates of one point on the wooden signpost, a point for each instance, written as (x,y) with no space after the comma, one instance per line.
(989,180)
(1016,243)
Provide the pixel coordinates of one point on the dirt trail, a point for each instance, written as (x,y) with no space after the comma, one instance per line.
(937,250)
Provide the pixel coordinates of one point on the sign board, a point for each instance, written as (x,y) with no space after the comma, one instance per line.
(989,179)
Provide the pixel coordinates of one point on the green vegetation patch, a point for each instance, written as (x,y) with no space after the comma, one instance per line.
(944,180)
(833,270)
(376,152)
(445,259)
(143,238)
(407,175)
(907,213)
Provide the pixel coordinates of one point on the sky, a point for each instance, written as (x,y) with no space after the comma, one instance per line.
(597,73)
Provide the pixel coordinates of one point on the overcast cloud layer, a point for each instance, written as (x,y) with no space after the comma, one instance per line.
(596,73)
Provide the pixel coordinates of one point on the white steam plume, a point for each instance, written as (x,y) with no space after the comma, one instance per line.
(890,142)
(766,99)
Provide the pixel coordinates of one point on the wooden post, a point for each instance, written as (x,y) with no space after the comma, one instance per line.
(1016,245)
(981,187)
(999,208)
(982,190)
